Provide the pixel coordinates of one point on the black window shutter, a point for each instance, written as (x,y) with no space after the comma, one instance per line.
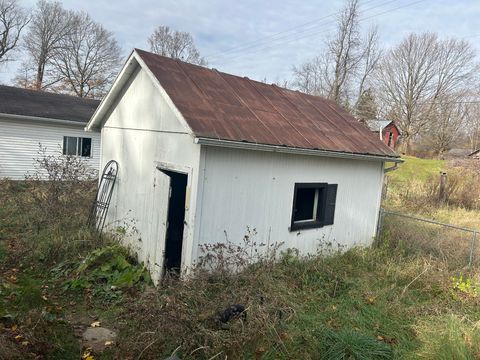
(65,145)
(330,204)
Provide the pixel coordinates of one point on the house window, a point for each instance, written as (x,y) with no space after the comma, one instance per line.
(313,205)
(390,138)
(77,146)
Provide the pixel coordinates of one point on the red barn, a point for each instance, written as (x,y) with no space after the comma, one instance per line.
(386,130)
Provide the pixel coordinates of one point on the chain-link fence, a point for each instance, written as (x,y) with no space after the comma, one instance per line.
(455,244)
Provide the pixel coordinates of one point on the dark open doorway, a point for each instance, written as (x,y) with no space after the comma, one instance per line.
(175,222)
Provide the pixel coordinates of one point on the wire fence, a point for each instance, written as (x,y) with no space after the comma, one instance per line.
(455,244)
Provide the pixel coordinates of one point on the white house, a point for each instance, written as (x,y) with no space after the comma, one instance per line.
(203,155)
(29,118)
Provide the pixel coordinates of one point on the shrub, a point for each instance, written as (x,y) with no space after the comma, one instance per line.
(60,191)
(47,213)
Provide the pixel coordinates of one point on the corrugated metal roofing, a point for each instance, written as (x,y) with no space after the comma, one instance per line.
(377,125)
(227,107)
(24,102)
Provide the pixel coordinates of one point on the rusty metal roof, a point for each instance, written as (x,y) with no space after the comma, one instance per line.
(222,106)
(41,104)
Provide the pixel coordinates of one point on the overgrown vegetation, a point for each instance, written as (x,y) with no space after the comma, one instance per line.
(414,188)
(388,302)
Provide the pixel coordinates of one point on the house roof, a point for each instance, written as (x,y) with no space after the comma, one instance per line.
(41,104)
(228,108)
(378,125)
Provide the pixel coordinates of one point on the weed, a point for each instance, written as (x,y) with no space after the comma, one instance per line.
(465,285)
(106,271)
(229,258)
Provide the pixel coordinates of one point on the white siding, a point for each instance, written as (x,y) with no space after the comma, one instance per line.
(142,132)
(240,188)
(19,144)
(227,189)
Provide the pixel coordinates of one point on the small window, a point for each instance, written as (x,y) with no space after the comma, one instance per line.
(77,146)
(313,205)
(86,149)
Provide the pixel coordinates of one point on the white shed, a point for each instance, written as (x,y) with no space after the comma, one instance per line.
(56,122)
(204,155)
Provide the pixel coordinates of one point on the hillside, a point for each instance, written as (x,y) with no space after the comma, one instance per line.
(416,168)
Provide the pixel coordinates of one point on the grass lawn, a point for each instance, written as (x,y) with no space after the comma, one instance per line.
(416,168)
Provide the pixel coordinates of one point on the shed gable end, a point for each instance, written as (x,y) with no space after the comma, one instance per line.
(141,105)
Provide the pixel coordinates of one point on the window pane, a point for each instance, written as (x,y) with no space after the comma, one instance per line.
(305,204)
(86,147)
(69,145)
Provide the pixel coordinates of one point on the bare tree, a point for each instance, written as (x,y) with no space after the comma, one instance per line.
(175,44)
(87,60)
(342,70)
(345,51)
(13,20)
(450,114)
(309,77)
(418,73)
(369,60)
(472,125)
(50,24)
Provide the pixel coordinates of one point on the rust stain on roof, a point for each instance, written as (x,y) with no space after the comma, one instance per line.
(227,107)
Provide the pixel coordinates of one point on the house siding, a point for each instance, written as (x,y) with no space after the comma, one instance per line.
(20,139)
(254,189)
(141,133)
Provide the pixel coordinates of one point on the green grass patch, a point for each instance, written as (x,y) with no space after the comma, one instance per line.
(351,344)
(416,168)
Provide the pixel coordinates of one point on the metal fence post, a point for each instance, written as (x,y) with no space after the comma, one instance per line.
(472,248)
(381,215)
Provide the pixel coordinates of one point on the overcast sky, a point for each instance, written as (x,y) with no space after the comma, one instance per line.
(263,39)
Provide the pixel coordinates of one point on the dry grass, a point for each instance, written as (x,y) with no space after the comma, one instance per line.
(448,337)
(415,185)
